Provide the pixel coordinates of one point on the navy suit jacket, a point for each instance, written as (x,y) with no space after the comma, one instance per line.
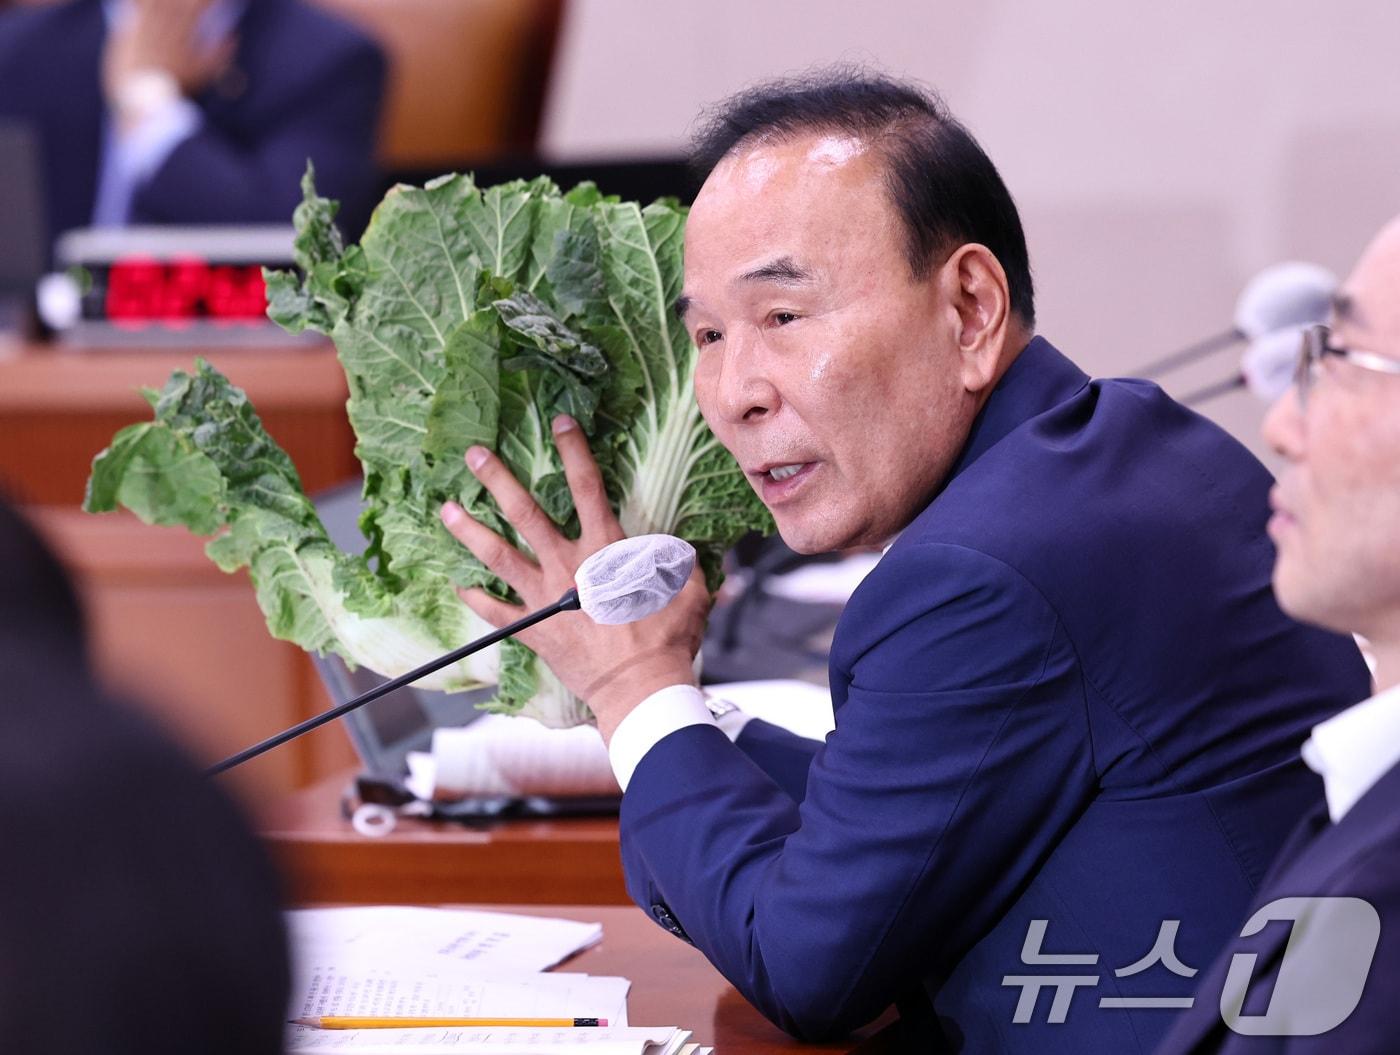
(303,84)
(1359,857)
(1066,694)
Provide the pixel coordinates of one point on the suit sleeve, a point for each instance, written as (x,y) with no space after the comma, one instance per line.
(783,755)
(215,177)
(960,757)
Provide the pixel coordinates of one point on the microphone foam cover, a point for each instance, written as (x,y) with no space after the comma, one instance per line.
(1285,295)
(633,578)
(1271,361)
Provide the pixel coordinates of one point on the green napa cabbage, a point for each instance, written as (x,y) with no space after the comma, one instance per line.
(464,316)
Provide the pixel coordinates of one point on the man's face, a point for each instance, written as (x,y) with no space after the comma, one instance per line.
(818,347)
(1337,519)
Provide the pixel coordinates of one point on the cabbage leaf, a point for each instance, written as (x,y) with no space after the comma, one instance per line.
(464,316)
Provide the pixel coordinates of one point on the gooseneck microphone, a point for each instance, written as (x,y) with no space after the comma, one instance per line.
(1189,354)
(1266,369)
(1281,299)
(621,583)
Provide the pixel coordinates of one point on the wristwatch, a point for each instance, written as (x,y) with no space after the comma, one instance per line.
(718,706)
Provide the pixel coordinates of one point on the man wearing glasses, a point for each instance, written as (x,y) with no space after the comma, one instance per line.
(1316,967)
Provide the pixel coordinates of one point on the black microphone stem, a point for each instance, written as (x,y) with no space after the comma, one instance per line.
(1190,354)
(1220,388)
(569,602)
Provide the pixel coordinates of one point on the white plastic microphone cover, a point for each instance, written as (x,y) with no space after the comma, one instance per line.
(1284,296)
(633,578)
(1270,362)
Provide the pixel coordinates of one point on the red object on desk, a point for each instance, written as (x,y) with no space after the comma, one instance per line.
(142,290)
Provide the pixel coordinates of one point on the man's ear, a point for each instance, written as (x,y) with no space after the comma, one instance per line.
(975,286)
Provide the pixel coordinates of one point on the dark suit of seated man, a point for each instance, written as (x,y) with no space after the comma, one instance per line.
(1066,702)
(138,914)
(193,111)
(1318,967)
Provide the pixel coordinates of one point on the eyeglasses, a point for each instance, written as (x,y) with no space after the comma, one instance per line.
(1317,343)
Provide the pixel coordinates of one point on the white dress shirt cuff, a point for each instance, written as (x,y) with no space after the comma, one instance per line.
(657,717)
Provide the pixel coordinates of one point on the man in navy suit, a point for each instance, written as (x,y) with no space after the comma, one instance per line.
(1323,978)
(1066,701)
(192,111)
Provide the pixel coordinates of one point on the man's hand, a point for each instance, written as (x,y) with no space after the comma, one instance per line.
(611,668)
(162,36)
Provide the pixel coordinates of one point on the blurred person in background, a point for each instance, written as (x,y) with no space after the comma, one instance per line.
(138,914)
(192,111)
(1336,523)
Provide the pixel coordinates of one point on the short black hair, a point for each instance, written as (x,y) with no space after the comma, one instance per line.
(944,187)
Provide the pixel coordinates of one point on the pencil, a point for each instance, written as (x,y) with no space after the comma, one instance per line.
(351,1022)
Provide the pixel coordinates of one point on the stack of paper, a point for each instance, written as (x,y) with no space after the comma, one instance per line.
(398,962)
(657,1040)
(401,991)
(424,937)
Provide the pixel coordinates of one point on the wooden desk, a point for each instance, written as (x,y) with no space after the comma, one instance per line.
(60,406)
(674,985)
(572,860)
(567,868)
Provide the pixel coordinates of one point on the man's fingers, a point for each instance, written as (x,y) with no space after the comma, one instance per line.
(499,613)
(496,553)
(495,611)
(697,578)
(206,64)
(696,585)
(219,57)
(595,516)
(516,504)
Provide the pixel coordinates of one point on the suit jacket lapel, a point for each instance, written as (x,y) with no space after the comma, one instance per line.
(1307,866)
(1204,1019)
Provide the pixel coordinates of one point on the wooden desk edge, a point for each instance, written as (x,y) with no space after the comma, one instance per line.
(679,987)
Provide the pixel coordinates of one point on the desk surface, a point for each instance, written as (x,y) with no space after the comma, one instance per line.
(531,867)
(568,861)
(54,378)
(674,985)
(60,406)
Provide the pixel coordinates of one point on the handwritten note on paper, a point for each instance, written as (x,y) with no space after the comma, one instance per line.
(427,937)
(662,1040)
(393,991)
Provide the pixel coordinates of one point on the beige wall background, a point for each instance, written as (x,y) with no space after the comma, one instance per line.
(1161,154)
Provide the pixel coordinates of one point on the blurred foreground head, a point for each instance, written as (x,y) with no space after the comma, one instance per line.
(1337,504)
(137,912)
